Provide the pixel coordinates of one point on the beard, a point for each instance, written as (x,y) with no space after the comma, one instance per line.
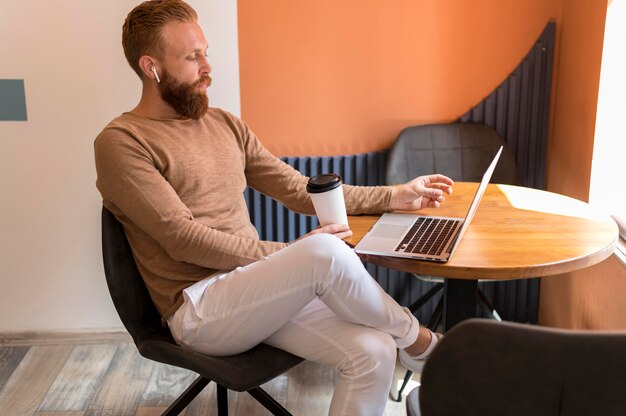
(183,97)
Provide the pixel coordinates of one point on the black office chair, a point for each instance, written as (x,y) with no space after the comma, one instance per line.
(483,367)
(242,372)
(461,151)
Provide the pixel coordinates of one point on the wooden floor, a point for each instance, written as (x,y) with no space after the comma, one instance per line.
(104,375)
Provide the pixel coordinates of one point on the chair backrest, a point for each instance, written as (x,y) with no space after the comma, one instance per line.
(128,291)
(486,367)
(461,151)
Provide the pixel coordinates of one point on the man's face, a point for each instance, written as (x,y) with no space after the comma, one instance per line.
(185,69)
(185,98)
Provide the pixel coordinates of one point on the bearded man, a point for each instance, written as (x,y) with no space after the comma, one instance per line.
(173,171)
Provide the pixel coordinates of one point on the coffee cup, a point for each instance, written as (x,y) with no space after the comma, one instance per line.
(326,192)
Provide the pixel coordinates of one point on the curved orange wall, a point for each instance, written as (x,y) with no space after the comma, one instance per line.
(576,99)
(340,77)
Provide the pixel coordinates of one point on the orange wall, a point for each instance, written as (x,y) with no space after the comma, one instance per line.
(592,298)
(574,110)
(339,77)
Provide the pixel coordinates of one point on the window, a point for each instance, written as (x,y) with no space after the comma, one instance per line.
(609,155)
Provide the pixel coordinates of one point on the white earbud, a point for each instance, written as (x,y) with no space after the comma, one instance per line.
(156,75)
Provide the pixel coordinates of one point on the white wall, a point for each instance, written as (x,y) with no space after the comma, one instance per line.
(76,79)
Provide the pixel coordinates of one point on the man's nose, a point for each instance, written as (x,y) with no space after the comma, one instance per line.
(206,67)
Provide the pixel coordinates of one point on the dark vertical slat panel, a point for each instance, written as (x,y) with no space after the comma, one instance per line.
(501,109)
(316,166)
(536,145)
(371,168)
(360,170)
(533,139)
(488,290)
(524,119)
(325,165)
(533,300)
(337,165)
(513,116)
(533,108)
(348,176)
(547,50)
(382,167)
(510,299)
(501,300)
(490,110)
(521,295)
(281,223)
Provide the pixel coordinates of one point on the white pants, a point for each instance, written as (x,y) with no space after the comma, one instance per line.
(313,299)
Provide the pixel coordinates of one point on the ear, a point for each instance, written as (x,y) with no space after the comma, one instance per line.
(146,63)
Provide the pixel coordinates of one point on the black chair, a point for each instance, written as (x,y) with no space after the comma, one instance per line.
(461,151)
(242,372)
(483,367)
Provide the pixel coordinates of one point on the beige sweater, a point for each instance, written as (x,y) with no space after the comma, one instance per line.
(177,187)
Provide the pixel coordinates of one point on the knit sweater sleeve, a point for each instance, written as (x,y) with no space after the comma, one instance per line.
(273,177)
(131,184)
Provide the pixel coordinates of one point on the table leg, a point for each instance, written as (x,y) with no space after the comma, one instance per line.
(459,301)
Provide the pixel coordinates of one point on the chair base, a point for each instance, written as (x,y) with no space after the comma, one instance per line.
(222,399)
(187,396)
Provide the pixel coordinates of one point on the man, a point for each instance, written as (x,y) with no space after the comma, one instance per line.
(173,171)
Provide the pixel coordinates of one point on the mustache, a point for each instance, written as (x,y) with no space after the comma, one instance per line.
(204,79)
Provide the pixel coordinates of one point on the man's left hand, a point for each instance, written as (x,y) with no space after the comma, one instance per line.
(427,191)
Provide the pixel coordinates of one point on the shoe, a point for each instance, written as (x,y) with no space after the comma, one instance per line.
(416,364)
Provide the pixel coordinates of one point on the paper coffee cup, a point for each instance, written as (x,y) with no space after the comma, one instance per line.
(326,192)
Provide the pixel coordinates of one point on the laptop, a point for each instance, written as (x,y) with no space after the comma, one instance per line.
(422,237)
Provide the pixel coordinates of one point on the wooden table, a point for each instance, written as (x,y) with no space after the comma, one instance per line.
(517,233)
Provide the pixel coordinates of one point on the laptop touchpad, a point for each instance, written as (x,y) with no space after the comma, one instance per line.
(388,231)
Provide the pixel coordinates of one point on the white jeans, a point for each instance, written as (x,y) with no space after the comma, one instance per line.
(313,299)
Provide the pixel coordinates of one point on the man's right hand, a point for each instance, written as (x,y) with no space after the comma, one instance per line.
(340,231)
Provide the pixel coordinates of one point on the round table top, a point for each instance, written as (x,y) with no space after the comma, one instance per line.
(516,233)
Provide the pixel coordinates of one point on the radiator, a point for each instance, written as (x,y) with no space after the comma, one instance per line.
(518,110)
(275,222)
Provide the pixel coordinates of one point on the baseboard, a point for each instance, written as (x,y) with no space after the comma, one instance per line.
(79,336)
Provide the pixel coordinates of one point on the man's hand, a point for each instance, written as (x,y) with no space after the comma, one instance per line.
(427,191)
(340,231)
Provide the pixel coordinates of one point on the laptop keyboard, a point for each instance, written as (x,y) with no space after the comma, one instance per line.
(428,236)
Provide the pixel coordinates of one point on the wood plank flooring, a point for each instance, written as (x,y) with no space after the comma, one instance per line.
(105,376)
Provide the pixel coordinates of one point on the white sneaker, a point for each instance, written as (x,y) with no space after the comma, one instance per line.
(416,364)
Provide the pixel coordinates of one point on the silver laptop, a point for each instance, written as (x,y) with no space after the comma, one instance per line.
(422,237)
